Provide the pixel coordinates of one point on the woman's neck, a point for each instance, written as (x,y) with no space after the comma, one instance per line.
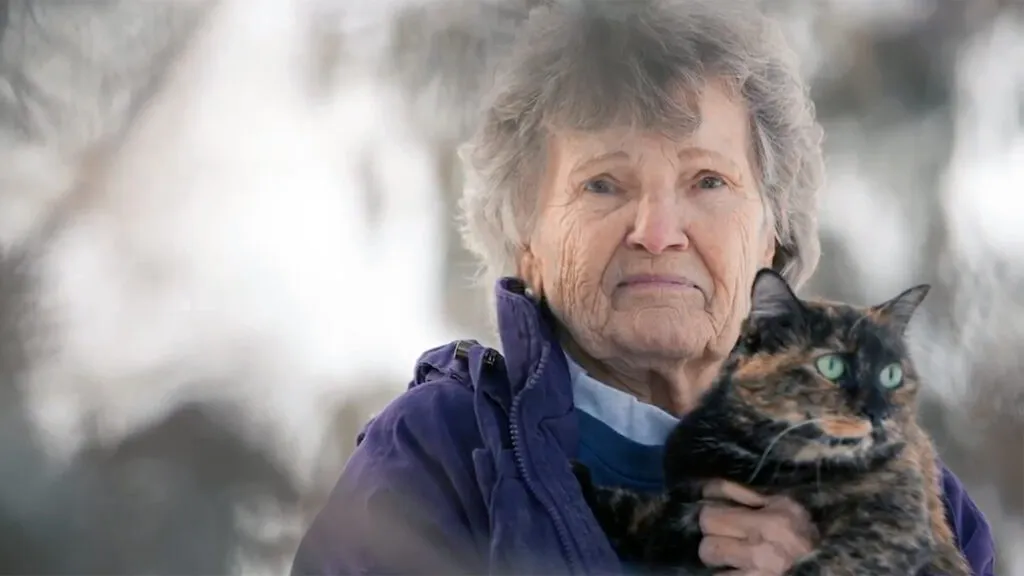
(675,387)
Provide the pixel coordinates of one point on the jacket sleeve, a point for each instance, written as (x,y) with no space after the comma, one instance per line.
(973,533)
(403,504)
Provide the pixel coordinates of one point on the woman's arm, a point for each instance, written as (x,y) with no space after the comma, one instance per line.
(400,506)
(973,533)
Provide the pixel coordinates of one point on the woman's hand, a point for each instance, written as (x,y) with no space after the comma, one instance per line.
(751,533)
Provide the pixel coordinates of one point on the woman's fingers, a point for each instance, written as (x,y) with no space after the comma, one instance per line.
(797,518)
(733,553)
(751,533)
(723,520)
(725,490)
(755,526)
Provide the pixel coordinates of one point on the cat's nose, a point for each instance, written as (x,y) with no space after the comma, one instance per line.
(875,407)
(874,411)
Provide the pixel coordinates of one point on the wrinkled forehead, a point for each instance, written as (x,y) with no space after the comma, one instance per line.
(713,122)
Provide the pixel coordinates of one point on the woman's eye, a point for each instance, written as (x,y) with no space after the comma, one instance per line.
(710,181)
(600,186)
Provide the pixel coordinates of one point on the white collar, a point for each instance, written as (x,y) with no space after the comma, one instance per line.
(640,422)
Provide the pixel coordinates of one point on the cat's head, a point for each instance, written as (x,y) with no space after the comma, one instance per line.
(824,381)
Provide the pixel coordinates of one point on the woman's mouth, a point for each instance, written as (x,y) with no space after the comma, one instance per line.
(659,282)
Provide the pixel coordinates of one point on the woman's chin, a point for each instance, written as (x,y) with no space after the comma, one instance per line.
(661,334)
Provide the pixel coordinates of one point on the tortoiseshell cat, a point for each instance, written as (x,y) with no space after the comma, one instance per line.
(815,402)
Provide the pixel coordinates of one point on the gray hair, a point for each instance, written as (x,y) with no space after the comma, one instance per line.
(589,65)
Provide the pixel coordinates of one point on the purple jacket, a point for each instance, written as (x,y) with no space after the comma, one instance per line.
(468,471)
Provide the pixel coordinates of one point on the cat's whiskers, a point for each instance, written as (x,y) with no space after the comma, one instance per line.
(764,456)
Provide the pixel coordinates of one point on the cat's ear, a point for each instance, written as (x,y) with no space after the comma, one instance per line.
(771,297)
(898,311)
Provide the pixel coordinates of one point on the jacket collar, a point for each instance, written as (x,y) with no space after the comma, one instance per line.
(542,412)
(526,331)
(536,367)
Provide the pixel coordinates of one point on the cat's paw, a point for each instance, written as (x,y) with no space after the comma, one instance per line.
(582,474)
(675,535)
(585,480)
(580,470)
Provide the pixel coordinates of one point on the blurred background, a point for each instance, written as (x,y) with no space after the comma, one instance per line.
(227,231)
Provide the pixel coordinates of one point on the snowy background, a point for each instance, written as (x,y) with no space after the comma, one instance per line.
(226,234)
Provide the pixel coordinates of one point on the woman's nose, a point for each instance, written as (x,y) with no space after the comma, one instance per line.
(659,225)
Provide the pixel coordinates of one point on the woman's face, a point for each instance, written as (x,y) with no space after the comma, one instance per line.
(645,247)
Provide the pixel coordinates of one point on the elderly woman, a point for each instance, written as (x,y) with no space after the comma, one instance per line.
(638,162)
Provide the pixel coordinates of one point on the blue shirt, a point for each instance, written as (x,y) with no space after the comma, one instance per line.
(621,438)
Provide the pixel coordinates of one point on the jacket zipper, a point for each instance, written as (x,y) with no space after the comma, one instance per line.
(517,451)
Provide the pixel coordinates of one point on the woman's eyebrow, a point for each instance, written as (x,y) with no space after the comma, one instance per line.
(699,153)
(590,162)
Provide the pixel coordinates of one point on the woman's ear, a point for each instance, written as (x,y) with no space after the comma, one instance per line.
(769,249)
(529,272)
(769,240)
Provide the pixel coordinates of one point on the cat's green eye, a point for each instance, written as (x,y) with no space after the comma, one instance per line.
(891,376)
(831,366)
